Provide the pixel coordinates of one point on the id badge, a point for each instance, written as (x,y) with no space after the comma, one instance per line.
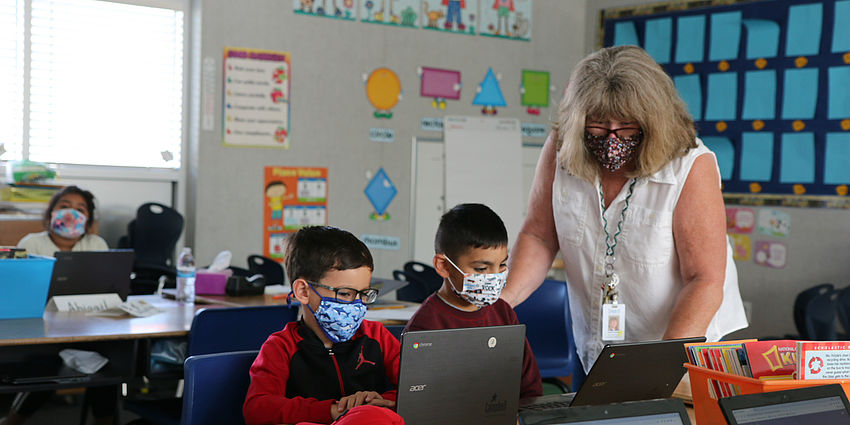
(613,322)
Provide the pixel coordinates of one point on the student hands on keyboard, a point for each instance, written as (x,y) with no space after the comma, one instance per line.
(357,399)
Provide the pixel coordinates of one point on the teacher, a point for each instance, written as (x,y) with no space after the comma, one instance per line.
(631,197)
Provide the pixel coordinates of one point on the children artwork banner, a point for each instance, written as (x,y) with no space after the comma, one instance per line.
(400,13)
(457,16)
(345,10)
(509,19)
(256,98)
(294,197)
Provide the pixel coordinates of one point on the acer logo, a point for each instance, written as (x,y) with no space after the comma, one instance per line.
(417,388)
(599,384)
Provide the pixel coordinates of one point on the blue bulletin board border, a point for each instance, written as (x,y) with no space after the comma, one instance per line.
(777,155)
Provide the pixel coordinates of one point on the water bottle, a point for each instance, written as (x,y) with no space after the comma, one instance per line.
(186,276)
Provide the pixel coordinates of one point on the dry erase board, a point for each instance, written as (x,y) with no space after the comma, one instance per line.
(768,84)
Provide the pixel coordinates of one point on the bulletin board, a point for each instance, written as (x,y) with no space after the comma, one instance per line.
(768,85)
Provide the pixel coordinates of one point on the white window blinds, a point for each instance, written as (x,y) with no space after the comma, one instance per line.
(11,77)
(105,84)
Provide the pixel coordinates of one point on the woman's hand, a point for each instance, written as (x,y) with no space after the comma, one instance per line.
(358,399)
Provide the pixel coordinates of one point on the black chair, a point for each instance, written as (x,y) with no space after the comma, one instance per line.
(424,281)
(153,235)
(271,269)
(820,317)
(842,309)
(801,307)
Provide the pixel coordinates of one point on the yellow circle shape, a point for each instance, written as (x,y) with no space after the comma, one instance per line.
(845,124)
(689,68)
(721,126)
(758,125)
(755,187)
(761,63)
(801,62)
(798,125)
(383,88)
(799,189)
(723,66)
(841,190)
(847,57)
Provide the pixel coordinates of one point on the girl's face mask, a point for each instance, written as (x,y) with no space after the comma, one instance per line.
(613,152)
(68,223)
(480,289)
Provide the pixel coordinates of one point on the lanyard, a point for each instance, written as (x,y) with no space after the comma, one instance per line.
(611,281)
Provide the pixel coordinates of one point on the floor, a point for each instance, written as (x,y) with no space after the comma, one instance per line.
(61,410)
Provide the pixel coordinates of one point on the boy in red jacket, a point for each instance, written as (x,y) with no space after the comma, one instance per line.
(331,365)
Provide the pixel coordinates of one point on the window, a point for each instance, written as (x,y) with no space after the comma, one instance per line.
(91,82)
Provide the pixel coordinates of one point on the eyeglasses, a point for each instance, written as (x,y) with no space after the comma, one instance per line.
(349,295)
(621,133)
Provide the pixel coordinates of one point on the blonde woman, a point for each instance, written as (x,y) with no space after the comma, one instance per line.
(631,198)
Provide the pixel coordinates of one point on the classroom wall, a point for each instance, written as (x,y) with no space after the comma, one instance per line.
(331,117)
(818,244)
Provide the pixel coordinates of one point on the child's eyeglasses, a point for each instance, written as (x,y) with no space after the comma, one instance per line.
(621,133)
(349,295)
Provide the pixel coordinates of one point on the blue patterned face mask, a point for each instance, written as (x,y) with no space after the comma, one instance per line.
(338,321)
(68,223)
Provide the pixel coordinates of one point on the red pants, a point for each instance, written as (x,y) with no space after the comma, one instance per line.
(366,415)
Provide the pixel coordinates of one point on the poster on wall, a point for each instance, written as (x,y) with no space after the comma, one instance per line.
(401,13)
(510,19)
(339,9)
(457,16)
(256,98)
(294,197)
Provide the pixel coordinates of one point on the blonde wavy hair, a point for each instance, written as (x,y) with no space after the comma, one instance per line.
(623,83)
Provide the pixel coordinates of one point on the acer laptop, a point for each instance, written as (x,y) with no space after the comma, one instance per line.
(625,372)
(92,272)
(461,376)
(822,405)
(666,411)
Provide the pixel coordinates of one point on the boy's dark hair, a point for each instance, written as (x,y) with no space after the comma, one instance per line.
(314,250)
(87,196)
(469,226)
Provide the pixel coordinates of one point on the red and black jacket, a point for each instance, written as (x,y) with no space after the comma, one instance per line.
(296,379)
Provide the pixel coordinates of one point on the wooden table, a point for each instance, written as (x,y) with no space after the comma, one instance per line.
(117,338)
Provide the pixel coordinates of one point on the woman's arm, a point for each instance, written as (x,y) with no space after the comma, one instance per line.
(537,243)
(699,231)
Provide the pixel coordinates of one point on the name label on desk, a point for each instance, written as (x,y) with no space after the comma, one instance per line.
(90,302)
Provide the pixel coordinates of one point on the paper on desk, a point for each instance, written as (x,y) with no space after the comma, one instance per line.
(275,289)
(88,303)
(83,361)
(137,308)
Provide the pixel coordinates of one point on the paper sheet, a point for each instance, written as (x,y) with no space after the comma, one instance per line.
(657,39)
(762,38)
(759,95)
(836,157)
(803,31)
(725,153)
(690,89)
(839,92)
(625,33)
(535,88)
(840,29)
(800,94)
(798,158)
(690,39)
(722,96)
(756,156)
(725,36)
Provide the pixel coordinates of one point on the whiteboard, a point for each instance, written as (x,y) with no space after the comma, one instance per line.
(484,165)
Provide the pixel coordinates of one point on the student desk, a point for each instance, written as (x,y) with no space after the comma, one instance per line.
(116,338)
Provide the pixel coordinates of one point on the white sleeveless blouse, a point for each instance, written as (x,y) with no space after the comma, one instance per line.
(646,258)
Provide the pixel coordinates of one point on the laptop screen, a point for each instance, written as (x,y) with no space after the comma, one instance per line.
(659,419)
(829,410)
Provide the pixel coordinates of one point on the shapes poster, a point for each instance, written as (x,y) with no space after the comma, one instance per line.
(489,94)
(534,90)
(458,16)
(506,19)
(256,98)
(339,9)
(383,89)
(439,84)
(380,191)
(293,197)
(402,13)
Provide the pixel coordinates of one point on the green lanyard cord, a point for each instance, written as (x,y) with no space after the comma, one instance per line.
(609,251)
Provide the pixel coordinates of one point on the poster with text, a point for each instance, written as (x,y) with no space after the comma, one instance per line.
(294,197)
(256,98)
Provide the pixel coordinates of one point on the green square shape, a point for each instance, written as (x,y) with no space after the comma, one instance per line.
(536,85)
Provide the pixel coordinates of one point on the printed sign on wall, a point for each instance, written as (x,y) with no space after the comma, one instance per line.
(294,197)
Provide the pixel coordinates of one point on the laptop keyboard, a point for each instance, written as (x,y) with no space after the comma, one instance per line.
(550,402)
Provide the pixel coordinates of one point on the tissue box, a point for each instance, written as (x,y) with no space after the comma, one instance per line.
(211,282)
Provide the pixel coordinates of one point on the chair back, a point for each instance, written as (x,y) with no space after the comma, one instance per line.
(155,233)
(271,269)
(424,281)
(801,303)
(842,309)
(396,330)
(217,330)
(820,317)
(215,388)
(549,330)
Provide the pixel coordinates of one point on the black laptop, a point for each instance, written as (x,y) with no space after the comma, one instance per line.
(40,369)
(818,405)
(625,372)
(667,411)
(461,376)
(92,272)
